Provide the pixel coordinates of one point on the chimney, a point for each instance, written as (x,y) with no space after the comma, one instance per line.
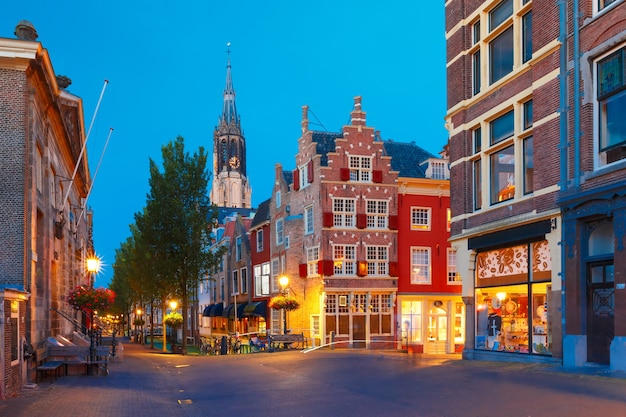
(26,31)
(305,118)
(357,115)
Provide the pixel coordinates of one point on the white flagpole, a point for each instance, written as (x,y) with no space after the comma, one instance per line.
(82,151)
(93,180)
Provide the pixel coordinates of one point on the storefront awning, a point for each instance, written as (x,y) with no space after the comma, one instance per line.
(230,310)
(256,309)
(213,310)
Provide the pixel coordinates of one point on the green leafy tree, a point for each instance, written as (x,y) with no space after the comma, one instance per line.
(174,231)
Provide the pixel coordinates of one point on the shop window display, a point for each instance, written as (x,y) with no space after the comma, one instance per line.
(514,318)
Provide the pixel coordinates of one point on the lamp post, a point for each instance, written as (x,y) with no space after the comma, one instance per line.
(93,266)
(138,325)
(284,282)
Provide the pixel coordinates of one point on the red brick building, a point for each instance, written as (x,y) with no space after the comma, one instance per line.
(45,225)
(539,224)
(503,92)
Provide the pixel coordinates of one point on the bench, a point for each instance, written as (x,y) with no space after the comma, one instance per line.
(49,368)
(80,356)
(291,340)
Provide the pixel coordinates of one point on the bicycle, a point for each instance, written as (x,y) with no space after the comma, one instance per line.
(210,346)
(234,344)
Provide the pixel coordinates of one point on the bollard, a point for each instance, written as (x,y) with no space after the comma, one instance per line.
(332,340)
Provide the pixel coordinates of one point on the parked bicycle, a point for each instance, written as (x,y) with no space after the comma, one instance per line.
(234,344)
(210,346)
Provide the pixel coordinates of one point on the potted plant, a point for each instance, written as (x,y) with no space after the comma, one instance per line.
(284,302)
(173,320)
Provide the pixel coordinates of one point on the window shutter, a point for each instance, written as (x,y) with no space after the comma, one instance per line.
(361,220)
(302,269)
(327,267)
(344,174)
(309,171)
(377,176)
(393,222)
(393,269)
(361,269)
(327,219)
(296,180)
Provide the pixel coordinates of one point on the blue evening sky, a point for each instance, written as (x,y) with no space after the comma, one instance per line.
(166,66)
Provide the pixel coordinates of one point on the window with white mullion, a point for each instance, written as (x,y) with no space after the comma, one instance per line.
(360,168)
(344,212)
(344,259)
(420,218)
(312,258)
(420,265)
(453,274)
(377,214)
(377,260)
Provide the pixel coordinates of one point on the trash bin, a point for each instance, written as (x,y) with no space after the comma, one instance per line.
(224,346)
(177,349)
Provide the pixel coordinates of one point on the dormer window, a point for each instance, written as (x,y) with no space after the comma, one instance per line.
(360,168)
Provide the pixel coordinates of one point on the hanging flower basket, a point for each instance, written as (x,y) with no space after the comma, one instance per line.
(174,319)
(285,302)
(91,299)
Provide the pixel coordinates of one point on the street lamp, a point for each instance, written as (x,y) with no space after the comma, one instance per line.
(284,282)
(93,266)
(138,325)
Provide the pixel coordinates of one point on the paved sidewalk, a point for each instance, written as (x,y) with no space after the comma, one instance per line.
(135,386)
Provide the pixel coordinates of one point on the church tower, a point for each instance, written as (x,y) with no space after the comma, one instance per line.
(230,186)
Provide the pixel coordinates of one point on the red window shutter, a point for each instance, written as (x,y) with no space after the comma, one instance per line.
(328,219)
(303,270)
(361,220)
(377,176)
(326,266)
(296,179)
(393,222)
(361,269)
(393,269)
(344,174)
(309,171)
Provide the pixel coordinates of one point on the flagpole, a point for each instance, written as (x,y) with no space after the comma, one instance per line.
(82,151)
(93,180)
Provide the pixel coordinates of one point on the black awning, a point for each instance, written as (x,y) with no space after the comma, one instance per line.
(230,310)
(256,309)
(216,310)
(213,310)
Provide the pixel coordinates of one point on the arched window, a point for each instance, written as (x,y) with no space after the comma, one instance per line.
(601,240)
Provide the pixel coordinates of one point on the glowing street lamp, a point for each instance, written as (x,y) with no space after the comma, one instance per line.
(284,282)
(93,267)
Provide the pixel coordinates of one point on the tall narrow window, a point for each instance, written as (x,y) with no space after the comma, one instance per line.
(259,240)
(280,236)
(528,114)
(308,220)
(527,37)
(312,258)
(529,165)
(377,260)
(503,175)
(453,275)
(476,135)
(238,248)
(420,265)
(476,74)
(244,280)
(612,105)
(235,282)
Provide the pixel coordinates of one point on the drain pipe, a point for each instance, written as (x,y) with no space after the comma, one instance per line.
(563,146)
(576,57)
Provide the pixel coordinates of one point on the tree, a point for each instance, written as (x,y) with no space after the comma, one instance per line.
(175,228)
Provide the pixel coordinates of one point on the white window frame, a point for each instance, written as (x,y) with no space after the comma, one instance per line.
(243,278)
(377,259)
(304,176)
(235,283)
(421,218)
(421,265)
(454,278)
(344,259)
(277,199)
(280,232)
(377,212)
(344,212)
(275,274)
(259,240)
(262,279)
(308,220)
(312,261)
(360,168)
(601,158)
